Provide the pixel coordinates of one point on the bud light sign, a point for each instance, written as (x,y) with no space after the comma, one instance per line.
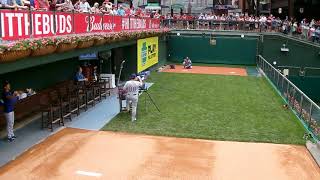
(144,53)
(147,53)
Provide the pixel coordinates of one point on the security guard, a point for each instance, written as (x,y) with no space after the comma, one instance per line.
(132,94)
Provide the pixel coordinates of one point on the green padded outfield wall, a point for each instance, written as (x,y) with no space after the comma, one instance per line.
(228,49)
(162,51)
(301,54)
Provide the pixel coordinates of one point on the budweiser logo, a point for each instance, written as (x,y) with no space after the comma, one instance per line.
(95,24)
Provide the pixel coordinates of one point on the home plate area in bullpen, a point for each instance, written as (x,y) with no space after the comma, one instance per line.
(235,71)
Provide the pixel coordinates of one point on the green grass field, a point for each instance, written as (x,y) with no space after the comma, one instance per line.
(215,107)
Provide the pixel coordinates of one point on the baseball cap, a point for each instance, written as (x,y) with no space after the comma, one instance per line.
(133,76)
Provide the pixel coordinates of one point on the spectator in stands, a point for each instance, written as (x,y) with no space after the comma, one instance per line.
(263,22)
(106,7)
(312,23)
(95,8)
(9,100)
(67,6)
(7,4)
(317,33)
(121,11)
(294,28)
(157,15)
(32,4)
(187,64)
(41,5)
(55,5)
(84,6)
(79,76)
(20,4)
(312,32)
(114,11)
(127,12)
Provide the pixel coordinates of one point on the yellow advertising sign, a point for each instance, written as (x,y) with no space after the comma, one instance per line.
(148,52)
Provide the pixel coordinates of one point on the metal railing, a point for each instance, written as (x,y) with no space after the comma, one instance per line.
(301,71)
(307,110)
(217,25)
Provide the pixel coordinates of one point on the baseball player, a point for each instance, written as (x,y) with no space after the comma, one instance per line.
(132,94)
(187,64)
(9,100)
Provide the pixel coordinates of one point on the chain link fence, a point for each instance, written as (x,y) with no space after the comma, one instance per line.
(307,110)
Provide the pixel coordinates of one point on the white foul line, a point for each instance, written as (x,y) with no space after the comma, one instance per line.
(87,173)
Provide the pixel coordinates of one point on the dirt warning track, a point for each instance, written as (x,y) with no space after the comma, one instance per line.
(82,154)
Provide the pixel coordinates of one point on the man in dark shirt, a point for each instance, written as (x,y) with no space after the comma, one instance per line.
(9,100)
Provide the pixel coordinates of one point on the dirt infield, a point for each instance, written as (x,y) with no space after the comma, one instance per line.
(208,70)
(81,154)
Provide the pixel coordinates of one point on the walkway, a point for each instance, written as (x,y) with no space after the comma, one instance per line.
(31,134)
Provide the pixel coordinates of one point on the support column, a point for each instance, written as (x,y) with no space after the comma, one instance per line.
(290,8)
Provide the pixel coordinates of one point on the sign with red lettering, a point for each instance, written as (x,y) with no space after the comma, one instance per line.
(138,23)
(43,24)
(16,25)
(64,23)
(125,24)
(154,23)
(95,23)
(108,24)
(117,21)
(81,23)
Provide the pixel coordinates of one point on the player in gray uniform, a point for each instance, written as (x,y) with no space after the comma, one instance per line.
(132,94)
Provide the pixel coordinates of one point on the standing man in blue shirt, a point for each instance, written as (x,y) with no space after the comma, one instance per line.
(79,76)
(9,100)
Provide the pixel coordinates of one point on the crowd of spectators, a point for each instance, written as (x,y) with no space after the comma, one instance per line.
(307,29)
(80,6)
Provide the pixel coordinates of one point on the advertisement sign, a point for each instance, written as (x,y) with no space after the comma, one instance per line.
(108,23)
(64,23)
(88,56)
(81,23)
(147,52)
(16,25)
